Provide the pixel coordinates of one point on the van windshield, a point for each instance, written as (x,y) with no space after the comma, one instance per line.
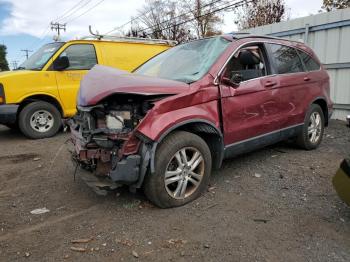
(187,62)
(39,59)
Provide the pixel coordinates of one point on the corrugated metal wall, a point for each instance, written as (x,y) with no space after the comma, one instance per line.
(328,34)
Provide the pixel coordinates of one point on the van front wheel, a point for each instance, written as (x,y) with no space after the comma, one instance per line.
(39,120)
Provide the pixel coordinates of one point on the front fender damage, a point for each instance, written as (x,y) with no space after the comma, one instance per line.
(108,149)
(116,139)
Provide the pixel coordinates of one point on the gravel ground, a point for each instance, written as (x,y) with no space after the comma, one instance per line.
(275,204)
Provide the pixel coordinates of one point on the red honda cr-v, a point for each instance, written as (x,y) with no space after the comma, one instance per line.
(166,125)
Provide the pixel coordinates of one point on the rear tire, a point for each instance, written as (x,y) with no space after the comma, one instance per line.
(311,135)
(182,170)
(39,120)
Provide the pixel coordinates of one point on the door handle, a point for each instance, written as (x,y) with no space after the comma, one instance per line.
(306,78)
(270,83)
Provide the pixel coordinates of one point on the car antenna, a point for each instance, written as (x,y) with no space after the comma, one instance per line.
(97,35)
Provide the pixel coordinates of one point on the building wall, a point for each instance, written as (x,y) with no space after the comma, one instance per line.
(328,34)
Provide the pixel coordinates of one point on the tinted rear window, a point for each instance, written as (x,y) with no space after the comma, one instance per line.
(309,62)
(286,59)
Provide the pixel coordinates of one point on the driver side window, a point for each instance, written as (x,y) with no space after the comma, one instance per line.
(246,64)
(80,56)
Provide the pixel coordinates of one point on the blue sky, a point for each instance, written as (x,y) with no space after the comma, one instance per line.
(24,24)
(17,42)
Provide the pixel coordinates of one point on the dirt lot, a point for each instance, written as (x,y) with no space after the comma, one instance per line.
(276,204)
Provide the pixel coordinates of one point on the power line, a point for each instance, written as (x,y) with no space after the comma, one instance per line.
(26,51)
(14,64)
(196,17)
(64,15)
(58,27)
(132,20)
(71,11)
(184,14)
(88,10)
(41,37)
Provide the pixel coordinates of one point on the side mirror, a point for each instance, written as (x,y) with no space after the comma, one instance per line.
(61,63)
(234,81)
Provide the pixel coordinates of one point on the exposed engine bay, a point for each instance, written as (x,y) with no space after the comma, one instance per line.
(104,138)
(109,123)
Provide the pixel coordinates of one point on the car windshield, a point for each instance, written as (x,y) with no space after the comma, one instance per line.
(39,59)
(187,62)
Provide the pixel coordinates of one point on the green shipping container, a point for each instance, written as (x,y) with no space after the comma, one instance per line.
(341,181)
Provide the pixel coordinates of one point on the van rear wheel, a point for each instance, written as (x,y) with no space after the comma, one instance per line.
(39,120)
(182,170)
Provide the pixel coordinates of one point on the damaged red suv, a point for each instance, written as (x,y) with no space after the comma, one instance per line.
(167,124)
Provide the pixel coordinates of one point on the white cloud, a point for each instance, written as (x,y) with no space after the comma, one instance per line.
(33,16)
(300,8)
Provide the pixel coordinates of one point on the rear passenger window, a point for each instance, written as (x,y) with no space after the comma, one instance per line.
(309,62)
(286,59)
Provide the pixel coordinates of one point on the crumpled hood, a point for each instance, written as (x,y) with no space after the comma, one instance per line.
(103,81)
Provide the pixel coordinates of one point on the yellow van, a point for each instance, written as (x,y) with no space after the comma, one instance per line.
(44,88)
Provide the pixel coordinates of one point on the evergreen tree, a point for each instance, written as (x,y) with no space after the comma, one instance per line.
(4,66)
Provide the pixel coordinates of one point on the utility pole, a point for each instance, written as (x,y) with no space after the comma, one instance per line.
(58,27)
(14,64)
(27,51)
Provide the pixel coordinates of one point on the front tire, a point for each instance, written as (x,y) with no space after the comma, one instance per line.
(311,135)
(182,170)
(39,120)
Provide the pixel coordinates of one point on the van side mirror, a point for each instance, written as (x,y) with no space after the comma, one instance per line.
(61,63)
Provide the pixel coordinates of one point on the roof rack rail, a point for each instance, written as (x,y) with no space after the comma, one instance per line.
(97,36)
(240,35)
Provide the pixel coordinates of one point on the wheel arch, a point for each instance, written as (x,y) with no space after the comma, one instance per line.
(323,104)
(204,129)
(40,97)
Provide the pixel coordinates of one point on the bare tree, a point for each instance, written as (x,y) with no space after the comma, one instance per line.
(204,18)
(163,19)
(330,5)
(261,12)
(135,29)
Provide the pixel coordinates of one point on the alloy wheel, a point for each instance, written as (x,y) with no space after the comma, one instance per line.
(315,127)
(184,173)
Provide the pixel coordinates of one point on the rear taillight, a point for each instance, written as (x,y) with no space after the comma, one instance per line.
(2,94)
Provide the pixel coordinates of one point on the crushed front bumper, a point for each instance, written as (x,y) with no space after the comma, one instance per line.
(106,168)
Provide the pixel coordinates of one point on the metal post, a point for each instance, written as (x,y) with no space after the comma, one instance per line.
(306,36)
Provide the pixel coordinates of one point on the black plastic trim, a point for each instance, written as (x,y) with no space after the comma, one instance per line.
(196,120)
(261,141)
(328,116)
(8,114)
(127,170)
